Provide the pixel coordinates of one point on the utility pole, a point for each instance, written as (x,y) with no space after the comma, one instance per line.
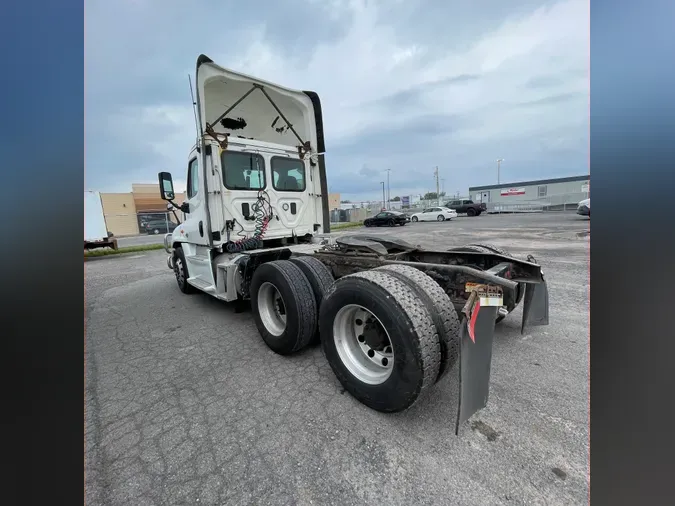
(388,191)
(382,183)
(442,185)
(499,164)
(438,188)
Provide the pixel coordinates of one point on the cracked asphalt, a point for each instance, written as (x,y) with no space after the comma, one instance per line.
(186,405)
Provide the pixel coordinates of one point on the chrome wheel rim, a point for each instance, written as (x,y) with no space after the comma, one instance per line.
(363,344)
(272,309)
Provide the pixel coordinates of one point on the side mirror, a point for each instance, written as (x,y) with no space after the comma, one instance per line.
(166,186)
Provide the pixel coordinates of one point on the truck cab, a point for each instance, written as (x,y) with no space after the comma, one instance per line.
(255,176)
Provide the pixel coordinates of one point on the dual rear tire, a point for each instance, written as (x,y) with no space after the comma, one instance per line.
(388,334)
(285,298)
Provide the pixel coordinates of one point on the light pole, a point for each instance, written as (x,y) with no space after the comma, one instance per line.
(499,164)
(382,183)
(388,191)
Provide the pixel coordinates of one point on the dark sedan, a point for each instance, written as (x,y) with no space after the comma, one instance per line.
(388,218)
(159,226)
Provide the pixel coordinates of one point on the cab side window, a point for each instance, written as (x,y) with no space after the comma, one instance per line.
(192,178)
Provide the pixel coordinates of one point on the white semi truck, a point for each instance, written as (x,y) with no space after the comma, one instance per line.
(392,318)
(96,234)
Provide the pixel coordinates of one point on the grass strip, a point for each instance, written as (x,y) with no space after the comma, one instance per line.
(101,252)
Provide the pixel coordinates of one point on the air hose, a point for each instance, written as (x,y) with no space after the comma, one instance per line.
(262,220)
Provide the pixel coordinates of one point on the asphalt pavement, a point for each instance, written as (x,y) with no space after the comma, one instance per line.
(186,405)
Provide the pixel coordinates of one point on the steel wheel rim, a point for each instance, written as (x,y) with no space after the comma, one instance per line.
(272,309)
(372,365)
(179,270)
(414,218)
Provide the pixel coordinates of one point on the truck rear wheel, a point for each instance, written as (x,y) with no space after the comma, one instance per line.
(319,276)
(284,307)
(440,307)
(181,271)
(380,340)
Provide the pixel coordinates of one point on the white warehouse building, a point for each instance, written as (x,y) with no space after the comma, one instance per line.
(559,193)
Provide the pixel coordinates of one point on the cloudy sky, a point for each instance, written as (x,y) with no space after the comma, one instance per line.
(405,85)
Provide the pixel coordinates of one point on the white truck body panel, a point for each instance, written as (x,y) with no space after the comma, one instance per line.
(94,221)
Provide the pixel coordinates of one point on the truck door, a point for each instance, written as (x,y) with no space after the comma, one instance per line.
(194,227)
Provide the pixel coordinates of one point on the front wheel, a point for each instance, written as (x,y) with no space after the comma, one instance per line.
(181,272)
(471,212)
(415,219)
(156,231)
(440,218)
(391,223)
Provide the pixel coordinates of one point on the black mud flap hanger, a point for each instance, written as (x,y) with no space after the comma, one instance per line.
(476,336)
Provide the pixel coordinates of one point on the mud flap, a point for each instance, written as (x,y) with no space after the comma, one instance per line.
(476,335)
(535,305)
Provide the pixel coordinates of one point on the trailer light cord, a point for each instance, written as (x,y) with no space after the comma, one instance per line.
(262,211)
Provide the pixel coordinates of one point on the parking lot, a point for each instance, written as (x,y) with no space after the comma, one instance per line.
(186,405)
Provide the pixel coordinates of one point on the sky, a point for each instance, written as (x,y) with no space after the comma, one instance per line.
(404,85)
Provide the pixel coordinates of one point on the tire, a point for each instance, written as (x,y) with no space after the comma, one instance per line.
(440,218)
(414,219)
(471,212)
(320,278)
(493,248)
(440,306)
(156,231)
(400,319)
(180,270)
(472,247)
(391,223)
(281,287)
(367,223)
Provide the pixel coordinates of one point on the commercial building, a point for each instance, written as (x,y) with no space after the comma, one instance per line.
(549,193)
(333,201)
(126,213)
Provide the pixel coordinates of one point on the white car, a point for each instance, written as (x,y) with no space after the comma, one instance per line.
(584,208)
(434,214)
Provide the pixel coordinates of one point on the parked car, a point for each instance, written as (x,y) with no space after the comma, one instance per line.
(159,226)
(435,214)
(467,207)
(584,207)
(389,218)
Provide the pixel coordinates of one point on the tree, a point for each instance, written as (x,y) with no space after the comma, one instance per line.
(432,195)
(396,199)
(345,202)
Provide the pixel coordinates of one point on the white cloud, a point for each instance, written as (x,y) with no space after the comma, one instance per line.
(374,56)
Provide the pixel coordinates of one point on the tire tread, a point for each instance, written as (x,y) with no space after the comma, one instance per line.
(440,306)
